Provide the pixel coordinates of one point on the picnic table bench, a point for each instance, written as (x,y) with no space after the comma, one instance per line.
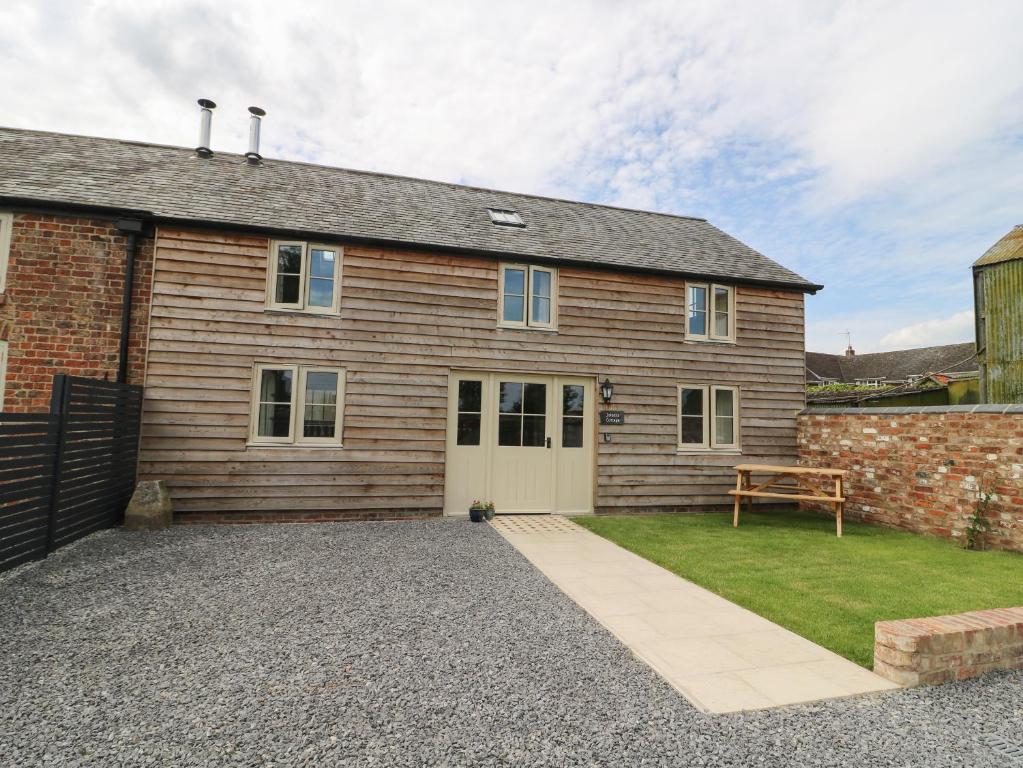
(795,483)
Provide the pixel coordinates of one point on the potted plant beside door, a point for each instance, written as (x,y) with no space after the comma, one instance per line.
(481,510)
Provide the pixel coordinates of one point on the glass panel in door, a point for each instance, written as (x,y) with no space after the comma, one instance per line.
(572,411)
(522,414)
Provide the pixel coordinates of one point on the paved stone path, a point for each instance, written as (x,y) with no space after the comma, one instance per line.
(722,657)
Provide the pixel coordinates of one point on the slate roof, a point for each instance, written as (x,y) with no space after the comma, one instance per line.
(892,366)
(820,365)
(1009,248)
(172,184)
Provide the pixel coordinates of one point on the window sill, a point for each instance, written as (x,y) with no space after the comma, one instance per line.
(709,451)
(303,446)
(719,342)
(529,328)
(301,312)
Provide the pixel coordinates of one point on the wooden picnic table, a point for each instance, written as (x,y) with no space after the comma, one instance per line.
(795,483)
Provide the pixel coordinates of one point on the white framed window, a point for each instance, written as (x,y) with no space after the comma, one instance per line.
(6,225)
(304,276)
(870,382)
(710,312)
(708,417)
(528,297)
(297,404)
(3,372)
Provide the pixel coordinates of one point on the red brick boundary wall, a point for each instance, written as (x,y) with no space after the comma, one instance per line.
(923,469)
(943,648)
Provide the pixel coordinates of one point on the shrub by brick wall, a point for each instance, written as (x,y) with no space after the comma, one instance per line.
(61,309)
(921,469)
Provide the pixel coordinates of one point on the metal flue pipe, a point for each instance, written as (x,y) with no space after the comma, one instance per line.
(205,126)
(255,119)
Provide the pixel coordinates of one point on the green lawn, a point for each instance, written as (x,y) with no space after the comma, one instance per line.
(791,568)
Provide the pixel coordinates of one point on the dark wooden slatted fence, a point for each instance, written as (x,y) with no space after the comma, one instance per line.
(28,446)
(69,472)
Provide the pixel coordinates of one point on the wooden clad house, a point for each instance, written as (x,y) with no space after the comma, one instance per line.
(327,343)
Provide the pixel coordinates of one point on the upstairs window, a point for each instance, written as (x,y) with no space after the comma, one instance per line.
(708,417)
(298,404)
(528,297)
(505,218)
(304,277)
(710,312)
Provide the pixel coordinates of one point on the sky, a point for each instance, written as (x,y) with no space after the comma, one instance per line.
(873,147)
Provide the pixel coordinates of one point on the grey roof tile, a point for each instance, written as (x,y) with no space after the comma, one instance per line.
(893,366)
(172,183)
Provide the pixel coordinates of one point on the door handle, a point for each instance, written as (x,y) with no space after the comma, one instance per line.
(548,442)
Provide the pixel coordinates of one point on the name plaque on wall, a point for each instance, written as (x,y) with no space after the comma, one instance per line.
(612,418)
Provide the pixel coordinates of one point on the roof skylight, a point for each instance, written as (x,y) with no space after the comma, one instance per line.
(505,218)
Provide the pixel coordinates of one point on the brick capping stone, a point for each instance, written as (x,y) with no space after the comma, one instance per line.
(924,469)
(938,649)
(902,410)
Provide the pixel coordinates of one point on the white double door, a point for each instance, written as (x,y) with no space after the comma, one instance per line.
(524,442)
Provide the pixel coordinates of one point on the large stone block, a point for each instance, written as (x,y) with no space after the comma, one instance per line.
(150,508)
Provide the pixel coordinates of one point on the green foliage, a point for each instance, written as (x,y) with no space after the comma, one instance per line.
(979,522)
(791,568)
(839,388)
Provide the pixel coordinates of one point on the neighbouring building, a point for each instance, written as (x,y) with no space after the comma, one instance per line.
(998,308)
(943,375)
(322,343)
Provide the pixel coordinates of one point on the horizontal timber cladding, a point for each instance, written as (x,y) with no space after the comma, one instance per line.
(407,319)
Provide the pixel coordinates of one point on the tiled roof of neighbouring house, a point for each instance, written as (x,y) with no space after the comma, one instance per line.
(1009,248)
(892,366)
(173,184)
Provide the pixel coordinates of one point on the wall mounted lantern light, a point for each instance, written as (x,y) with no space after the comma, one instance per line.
(607,390)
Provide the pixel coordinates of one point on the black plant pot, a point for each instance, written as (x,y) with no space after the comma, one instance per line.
(476,515)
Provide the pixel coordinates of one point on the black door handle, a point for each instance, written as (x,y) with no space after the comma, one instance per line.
(548,442)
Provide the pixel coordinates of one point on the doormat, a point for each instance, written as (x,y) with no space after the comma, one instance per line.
(534,524)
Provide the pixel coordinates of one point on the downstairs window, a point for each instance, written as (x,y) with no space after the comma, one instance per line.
(297,404)
(708,417)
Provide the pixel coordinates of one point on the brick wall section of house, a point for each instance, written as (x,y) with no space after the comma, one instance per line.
(61,309)
(943,648)
(922,469)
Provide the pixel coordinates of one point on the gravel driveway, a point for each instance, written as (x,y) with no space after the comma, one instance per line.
(390,644)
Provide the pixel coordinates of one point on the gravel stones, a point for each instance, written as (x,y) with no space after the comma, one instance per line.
(390,644)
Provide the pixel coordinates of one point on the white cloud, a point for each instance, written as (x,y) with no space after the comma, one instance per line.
(866,144)
(536,95)
(930,333)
